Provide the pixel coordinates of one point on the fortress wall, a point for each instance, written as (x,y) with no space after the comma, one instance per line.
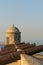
(15,63)
(24,61)
(27,60)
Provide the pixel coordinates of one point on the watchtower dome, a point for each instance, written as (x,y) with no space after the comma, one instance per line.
(13,35)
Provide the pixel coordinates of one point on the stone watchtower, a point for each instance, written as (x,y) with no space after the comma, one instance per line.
(13,35)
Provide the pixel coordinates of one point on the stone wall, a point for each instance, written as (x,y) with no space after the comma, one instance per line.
(27,60)
(15,63)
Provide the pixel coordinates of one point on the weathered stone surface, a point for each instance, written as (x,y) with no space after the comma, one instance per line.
(13,35)
(29,60)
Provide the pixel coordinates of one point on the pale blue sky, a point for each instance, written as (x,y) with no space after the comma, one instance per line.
(27,15)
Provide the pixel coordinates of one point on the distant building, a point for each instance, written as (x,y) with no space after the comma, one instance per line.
(13,35)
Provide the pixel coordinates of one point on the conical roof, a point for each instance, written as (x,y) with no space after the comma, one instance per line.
(13,29)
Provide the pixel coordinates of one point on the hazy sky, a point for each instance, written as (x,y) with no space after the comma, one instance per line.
(27,15)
